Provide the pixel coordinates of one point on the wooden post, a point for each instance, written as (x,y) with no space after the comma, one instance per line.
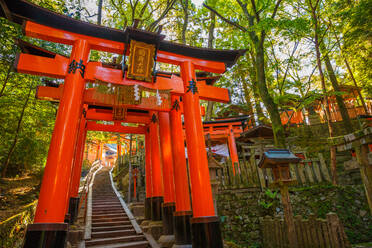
(156,169)
(205,225)
(130,170)
(168,175)
(233,150)
(288,216)
(54,193)
(183,212)
(148,175)
(76,171)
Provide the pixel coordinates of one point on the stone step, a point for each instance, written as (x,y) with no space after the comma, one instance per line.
(111,223)
(111,228)
(116,219)
(108,211)
(106,204)
(138,244)
(117,240)
(107,216)
(107,234)
(104,200)
(107,208)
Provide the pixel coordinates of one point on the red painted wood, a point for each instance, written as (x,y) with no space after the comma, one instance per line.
(201,191)
(54,193)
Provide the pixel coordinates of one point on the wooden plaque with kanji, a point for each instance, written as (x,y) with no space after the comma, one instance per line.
(141,61)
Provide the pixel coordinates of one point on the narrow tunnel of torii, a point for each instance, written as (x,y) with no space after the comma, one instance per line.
(159,104)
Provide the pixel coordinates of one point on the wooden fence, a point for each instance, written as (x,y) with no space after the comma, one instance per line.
(310,233)
(248,174)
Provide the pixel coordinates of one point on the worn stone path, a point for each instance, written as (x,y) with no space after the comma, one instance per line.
(111,226)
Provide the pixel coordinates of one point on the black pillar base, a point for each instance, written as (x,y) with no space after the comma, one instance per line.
(67,218)
(182,228)
(73,209)
(206,232)
(148,208)
(168,209)
(46,235)
(156,203)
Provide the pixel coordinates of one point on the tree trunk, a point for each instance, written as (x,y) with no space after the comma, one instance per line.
(185,7)
(350,72)
(12,147)
(325,98)
(356,85)
(210,105)
(340,101)
(257,102)
(248,100)
(6,79)
(272,108)
(99,16)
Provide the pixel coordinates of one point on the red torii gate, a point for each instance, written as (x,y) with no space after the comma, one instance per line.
(49,228)
(228,128)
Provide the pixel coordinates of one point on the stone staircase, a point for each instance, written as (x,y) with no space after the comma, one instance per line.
(111,227)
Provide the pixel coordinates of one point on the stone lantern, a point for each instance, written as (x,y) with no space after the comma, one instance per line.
(278,160)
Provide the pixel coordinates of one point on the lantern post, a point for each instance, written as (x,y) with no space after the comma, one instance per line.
(278,160)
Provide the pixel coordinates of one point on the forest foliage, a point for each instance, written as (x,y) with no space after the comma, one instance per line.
(286,42)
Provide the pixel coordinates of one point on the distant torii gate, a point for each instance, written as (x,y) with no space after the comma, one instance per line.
(49,229)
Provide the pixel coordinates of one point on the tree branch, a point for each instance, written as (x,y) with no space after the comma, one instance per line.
(276,8)
(237,25)
(255,10)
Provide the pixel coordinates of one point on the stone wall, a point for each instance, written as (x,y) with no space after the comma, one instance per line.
(240,209)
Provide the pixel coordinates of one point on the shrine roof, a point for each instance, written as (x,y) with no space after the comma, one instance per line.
(261,131)
(19,11)
(228,120)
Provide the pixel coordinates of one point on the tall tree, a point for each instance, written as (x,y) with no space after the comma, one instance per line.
(99,15)
(16,135)
(254,18)
(208,114)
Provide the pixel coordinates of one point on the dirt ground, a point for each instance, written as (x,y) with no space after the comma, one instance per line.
(16,193)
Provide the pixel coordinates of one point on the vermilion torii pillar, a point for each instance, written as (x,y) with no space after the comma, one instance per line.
(76,169)
(156,169)
(233,150)
(148,176)
(98,151)
(54,194)
(205,224)
(183,212)
(168,177)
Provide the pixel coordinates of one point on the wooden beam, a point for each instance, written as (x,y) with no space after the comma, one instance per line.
(54,94)
(93,114)
(91,97)
(57,68)
(42,66)
(93,126)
